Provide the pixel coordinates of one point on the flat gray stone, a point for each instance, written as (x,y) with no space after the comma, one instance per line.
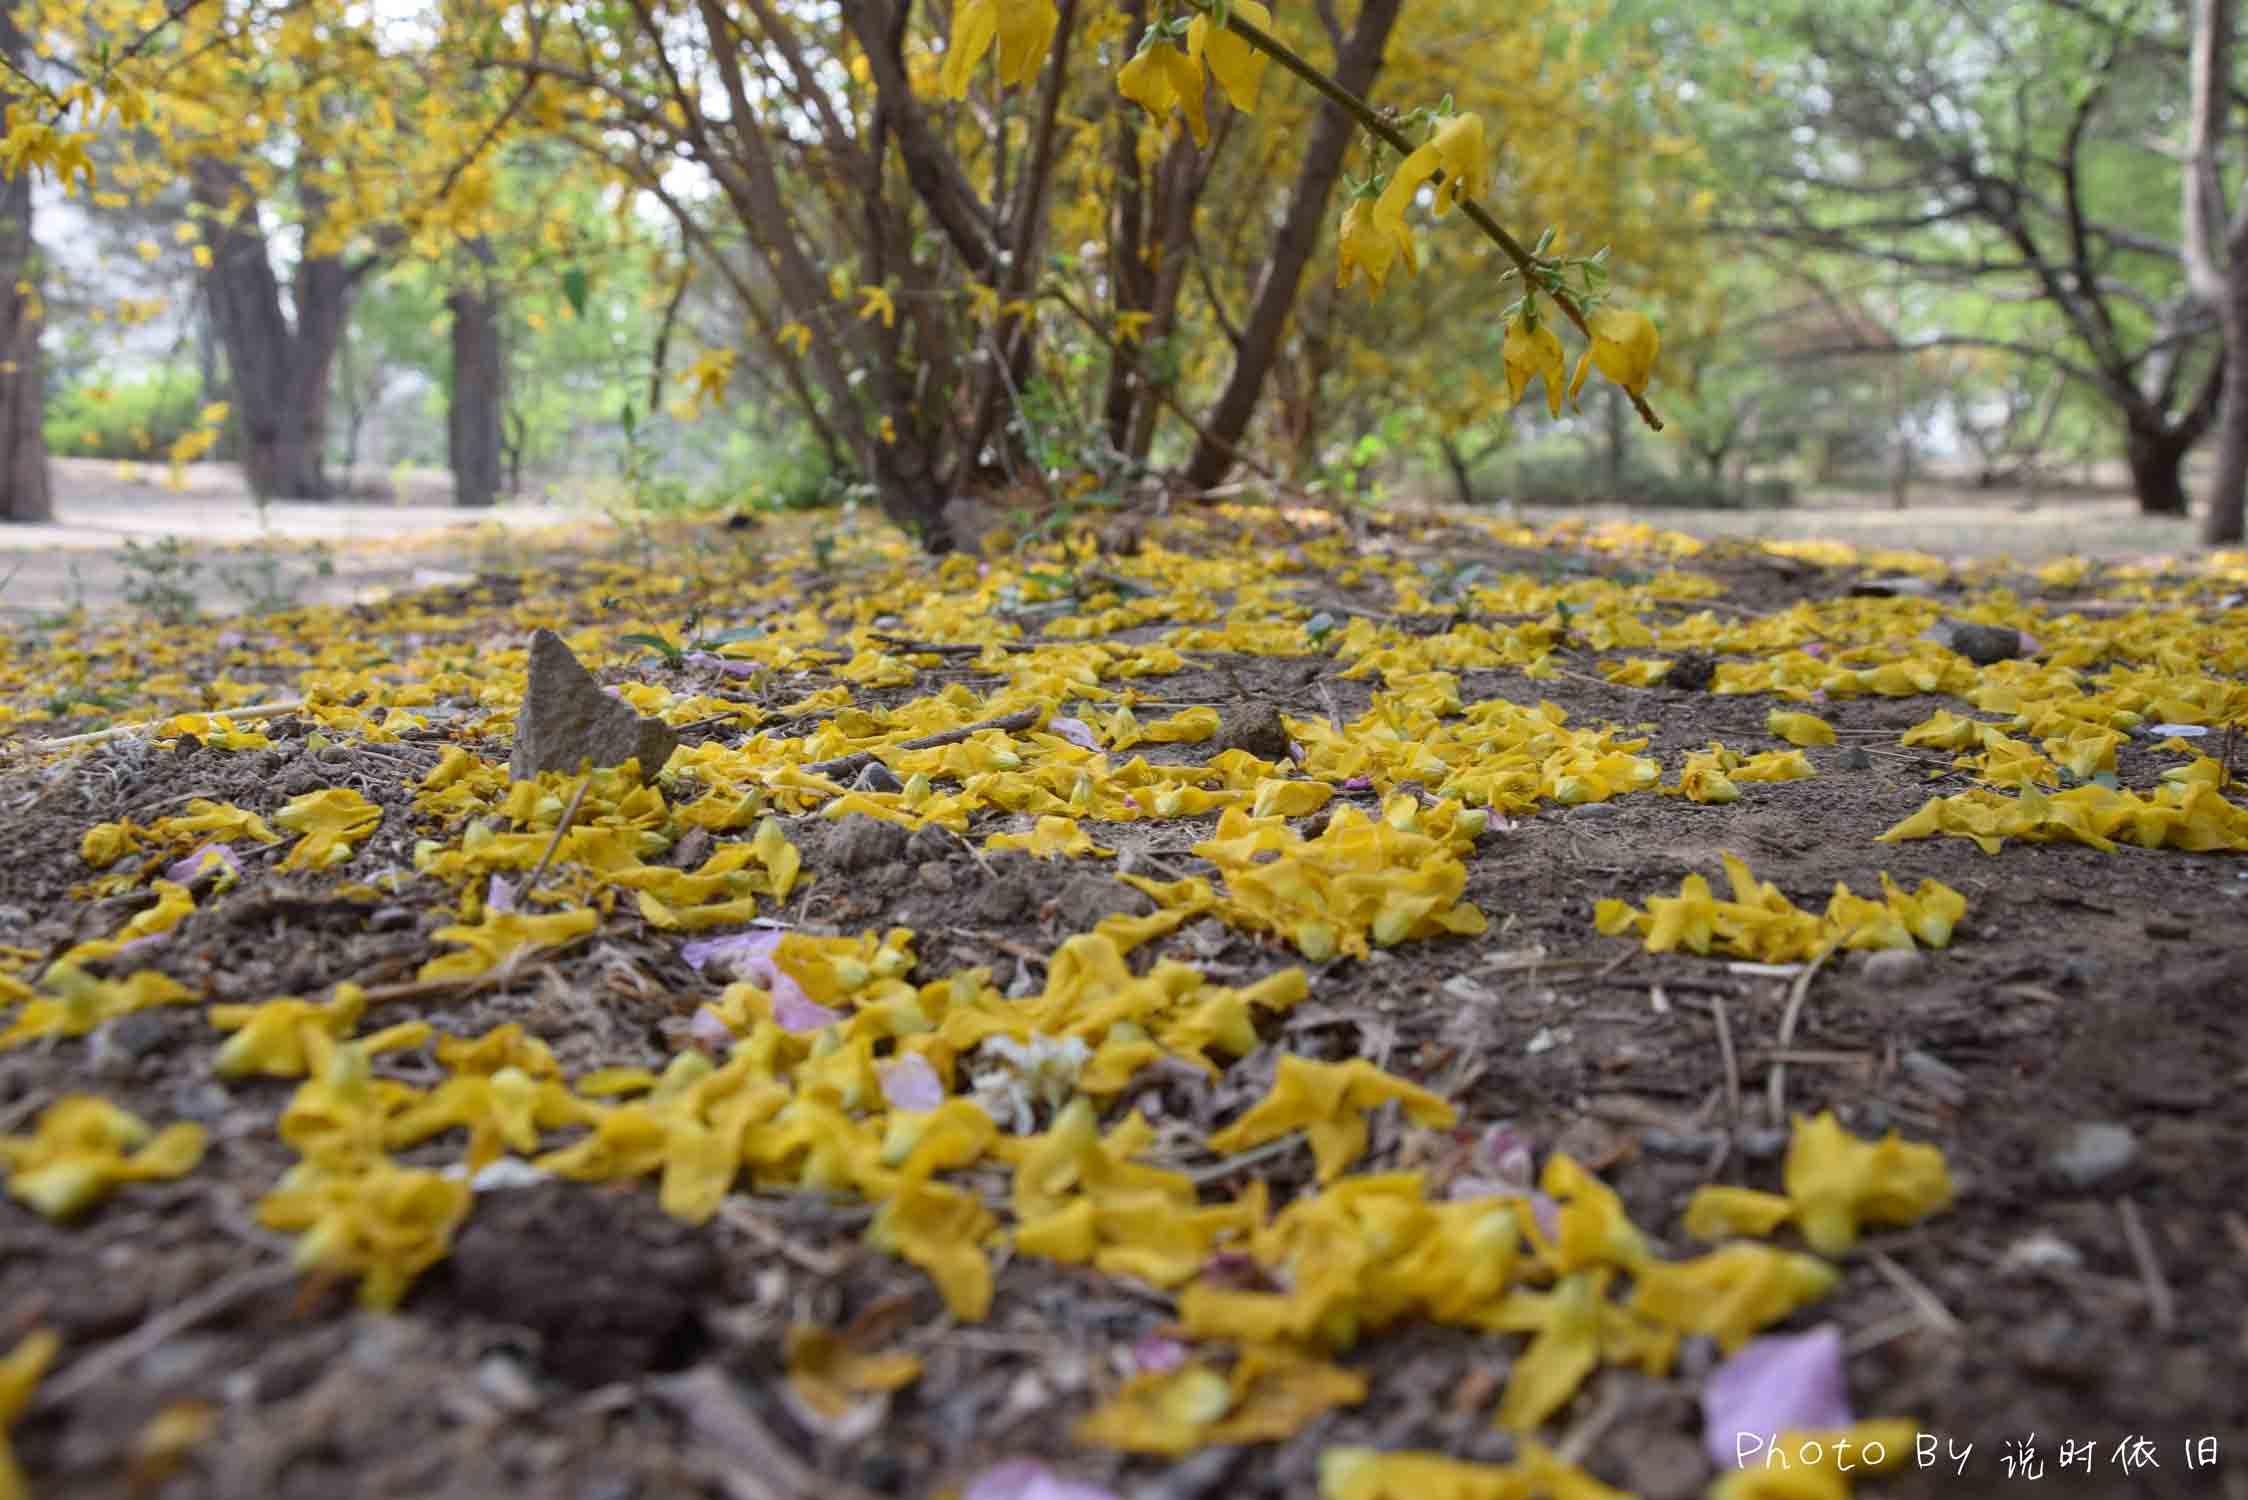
(1892,968)
(2088,1154)
(567,722)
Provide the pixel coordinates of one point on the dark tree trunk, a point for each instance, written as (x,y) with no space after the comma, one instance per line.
(1463,486)
(472,428)
(280,370)
(24,495)
(2222,524)
(1355,67)
(909,493)
(2155,459)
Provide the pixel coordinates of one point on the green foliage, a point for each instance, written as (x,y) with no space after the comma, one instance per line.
(160,579)
(135,418)
(266,580)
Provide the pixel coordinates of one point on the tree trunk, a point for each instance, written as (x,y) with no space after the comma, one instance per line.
(472,416)
(24,495)
(2222,523)
(2225,285)
(280,371)
(1463,484)
(1355,67)
(2155,458)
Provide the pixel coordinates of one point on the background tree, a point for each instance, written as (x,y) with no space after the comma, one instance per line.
(2019,155)
(24,493)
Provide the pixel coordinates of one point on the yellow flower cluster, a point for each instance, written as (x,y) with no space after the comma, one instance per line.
(1760,923)
(1388,879)
(1161,76)
(84,1148)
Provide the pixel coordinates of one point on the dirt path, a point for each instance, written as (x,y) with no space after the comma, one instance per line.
(737,1248)
(239,557)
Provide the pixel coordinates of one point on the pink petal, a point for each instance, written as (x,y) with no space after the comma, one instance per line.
(736,952)
(709,1028)
(910,1083)
(1030,1479)
(1155,1355)
(796,1011)
(1076,731)
(500,895)
(1504,1153)
(1357,784)
(1779,1383)
(187,869)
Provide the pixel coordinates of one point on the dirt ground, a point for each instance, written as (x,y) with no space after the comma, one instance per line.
(398,533)
(2078,1051)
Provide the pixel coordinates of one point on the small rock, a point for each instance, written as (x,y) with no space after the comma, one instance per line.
(1084,901)
(929,842)
(1856,759)
(1980,644)
(1695,1145)
(692,849)
(860,841)
(935,877)
(1691,673)
(2166,927)
(1934,1076)
(567,721)
(2039,1250)
(505,1383)
(1892,968)
(878,777)
(2057,1347)
(1760,1142)
(1255,728)
(137,1033)
(1890,588)
(2088,1154)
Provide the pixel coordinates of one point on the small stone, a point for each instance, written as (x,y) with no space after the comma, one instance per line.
(1696,1145)
(2089,1154)
(1892,968)
(567,721)
(1856,759)
(935,877)
(1934,1076)
(1691,673)
(860,841)
(506,1384)
(2166,927)
(1890,588)
(1760,1142)
(878,777)
(1980,644)
(1255,728)
(928,842)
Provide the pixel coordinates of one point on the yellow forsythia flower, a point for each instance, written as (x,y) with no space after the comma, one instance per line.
(1238,67)
(1624,346)
(1533,351)
(1366,245)
(1024,30)
(1161,76)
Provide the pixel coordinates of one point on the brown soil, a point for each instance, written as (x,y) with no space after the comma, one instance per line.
(578,1343)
